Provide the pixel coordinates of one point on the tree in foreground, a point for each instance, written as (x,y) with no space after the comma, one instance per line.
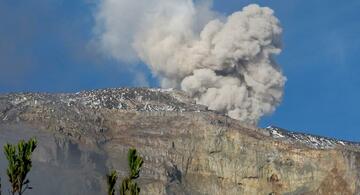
(128,185)
(19,164)
(111,182)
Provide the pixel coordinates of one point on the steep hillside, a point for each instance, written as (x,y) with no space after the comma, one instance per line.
(187,149)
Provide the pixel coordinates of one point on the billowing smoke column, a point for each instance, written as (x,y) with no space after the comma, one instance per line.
(225,63)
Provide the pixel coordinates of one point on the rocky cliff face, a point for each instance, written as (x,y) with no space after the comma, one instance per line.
(187,149)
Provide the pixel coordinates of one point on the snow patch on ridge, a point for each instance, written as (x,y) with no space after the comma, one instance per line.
(313,141)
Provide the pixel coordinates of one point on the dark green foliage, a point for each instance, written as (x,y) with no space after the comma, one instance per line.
(111,181)
(128,185)
(19,164)
(135,163)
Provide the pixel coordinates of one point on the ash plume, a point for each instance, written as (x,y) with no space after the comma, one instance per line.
(224,62)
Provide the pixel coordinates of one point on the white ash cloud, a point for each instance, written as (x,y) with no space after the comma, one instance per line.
(226,63)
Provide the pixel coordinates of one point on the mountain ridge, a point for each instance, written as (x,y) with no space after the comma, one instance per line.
(115,98)
(187,148)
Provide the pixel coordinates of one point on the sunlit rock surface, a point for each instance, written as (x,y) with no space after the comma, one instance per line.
(187,149)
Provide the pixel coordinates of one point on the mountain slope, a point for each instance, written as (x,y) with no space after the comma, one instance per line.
(187,149)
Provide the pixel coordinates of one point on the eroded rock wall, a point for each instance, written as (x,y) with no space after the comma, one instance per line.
(186,149)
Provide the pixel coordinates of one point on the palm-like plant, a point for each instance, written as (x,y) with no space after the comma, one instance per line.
(135,163)
(111,181)
(19,164)
(128,185)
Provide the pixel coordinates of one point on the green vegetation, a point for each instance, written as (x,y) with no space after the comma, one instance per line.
(19,164)
(128,185)
(135,163)
(111,181)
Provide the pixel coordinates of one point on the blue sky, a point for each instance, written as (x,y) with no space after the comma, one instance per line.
(45,46)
